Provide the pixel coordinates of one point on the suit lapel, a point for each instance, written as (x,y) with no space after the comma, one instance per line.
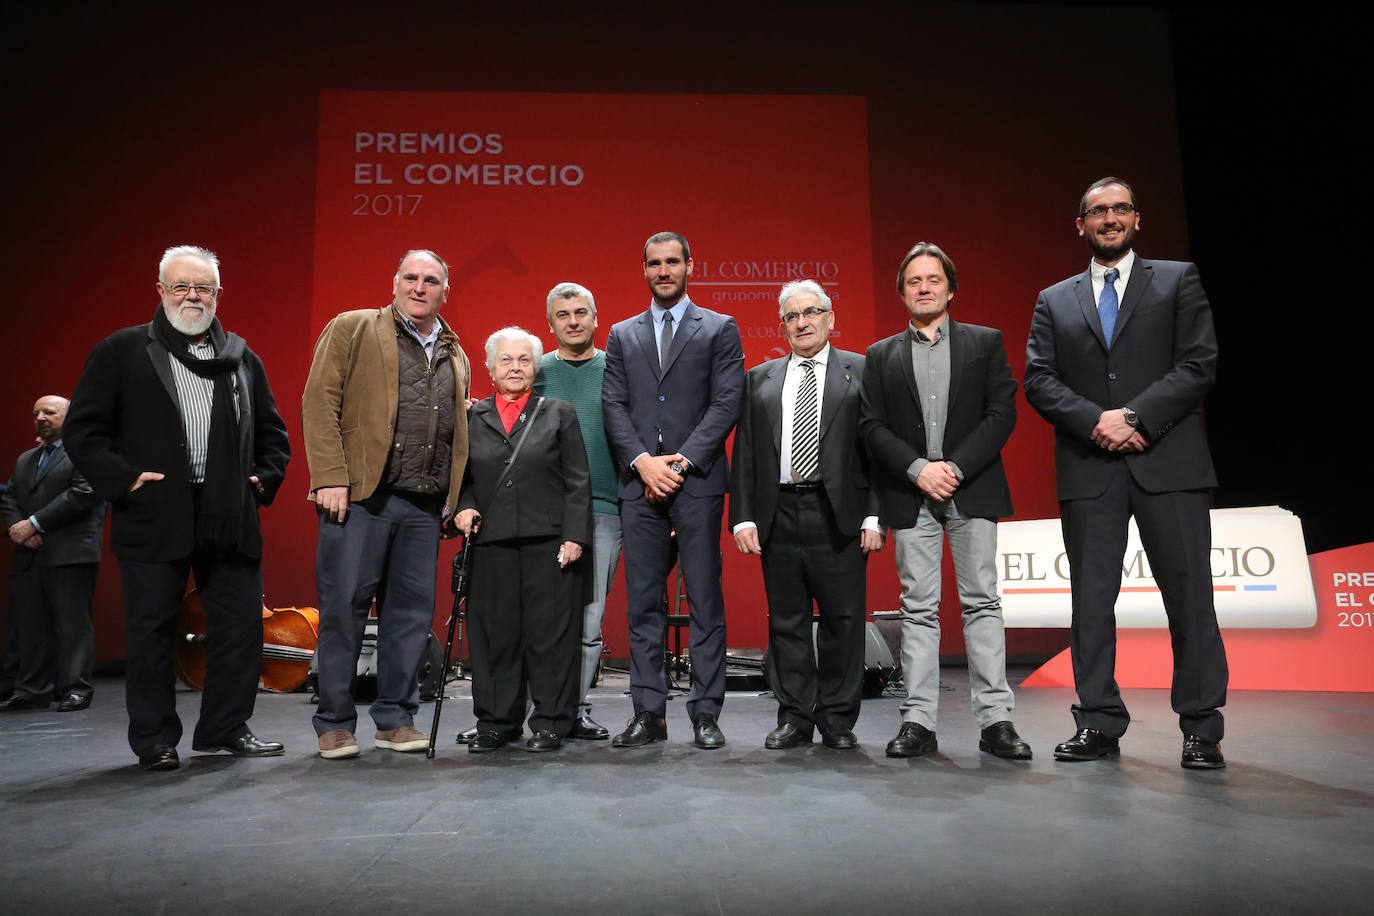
(648,347)
(23,476)
(1083,289)
(839,377)
(903,358)
(1135,291)
(158,356)
(958,353)
(691,324)
(770,394)
(487,412)
(59,453)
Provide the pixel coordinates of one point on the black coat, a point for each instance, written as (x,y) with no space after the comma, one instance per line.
(124,419)
(981,416)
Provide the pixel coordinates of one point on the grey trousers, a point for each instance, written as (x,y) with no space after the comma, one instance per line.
(973,544)
(605,558)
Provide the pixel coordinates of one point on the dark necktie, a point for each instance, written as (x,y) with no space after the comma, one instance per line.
(806,427)
(44,454)
(1107,305)
(665,340)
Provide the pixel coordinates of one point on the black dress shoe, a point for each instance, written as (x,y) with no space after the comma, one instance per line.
(74,701)
(18,701)
(246,745)
(487,740)
(465,737)
(912,741)
(706,734)
(1201,754)
(841,739)
(643,728)
(1001,740)
(159,757)
(786,735)
(585,729)
(543,740)
(1087,744)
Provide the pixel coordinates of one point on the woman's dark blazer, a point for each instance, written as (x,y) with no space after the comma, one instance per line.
(548,491)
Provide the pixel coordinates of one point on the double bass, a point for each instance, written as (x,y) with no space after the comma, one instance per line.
(289,635)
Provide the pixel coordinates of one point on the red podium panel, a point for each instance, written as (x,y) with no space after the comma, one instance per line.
(1332,655)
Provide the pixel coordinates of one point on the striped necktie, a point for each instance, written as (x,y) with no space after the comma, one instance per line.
(806,427)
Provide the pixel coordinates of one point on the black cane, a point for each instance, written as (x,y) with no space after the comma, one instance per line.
(462,565)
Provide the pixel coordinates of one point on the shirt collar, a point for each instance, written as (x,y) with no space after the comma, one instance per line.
(926,336)
(820,358)
(678,310)
(1099,272)
(510,411)
(415,331)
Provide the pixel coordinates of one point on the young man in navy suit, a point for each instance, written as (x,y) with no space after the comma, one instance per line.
(673,382)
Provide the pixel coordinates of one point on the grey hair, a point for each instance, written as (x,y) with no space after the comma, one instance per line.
(570,291)
(518,334)
(427,252)
(801,286)
(187,251)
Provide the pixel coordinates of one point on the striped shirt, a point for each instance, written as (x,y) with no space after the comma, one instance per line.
(196,395)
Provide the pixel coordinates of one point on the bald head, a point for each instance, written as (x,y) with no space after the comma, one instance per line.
(49,412)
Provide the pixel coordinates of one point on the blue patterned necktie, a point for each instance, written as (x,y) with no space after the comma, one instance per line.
(44,454)
(1107,305)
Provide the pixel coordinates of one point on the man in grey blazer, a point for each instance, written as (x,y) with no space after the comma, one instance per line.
(674,375)
(1119,359)
(56,521)
(938,405)
(800,500)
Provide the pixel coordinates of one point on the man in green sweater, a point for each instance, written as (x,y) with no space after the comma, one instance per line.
(573,373)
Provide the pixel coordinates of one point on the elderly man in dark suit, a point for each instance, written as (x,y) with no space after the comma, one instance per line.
(174,423)
(674,376)
(800,500)
(938,405)
(1119,359)
(56,520)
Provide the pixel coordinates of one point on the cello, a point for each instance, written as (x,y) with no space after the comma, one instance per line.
(289,635)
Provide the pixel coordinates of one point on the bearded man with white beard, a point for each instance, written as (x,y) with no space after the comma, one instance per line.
(174,423)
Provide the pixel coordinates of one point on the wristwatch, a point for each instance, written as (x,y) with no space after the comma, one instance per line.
(1131,417)
(677,468)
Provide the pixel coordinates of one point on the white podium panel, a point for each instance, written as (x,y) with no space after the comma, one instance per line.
(1260,573)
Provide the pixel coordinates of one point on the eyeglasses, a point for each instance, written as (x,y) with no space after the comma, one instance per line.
(1100,211)
(811,311)
(182,290)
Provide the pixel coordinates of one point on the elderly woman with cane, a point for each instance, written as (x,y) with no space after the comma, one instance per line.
(528,488)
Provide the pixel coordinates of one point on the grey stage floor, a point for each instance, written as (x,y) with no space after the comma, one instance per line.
(669,829)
